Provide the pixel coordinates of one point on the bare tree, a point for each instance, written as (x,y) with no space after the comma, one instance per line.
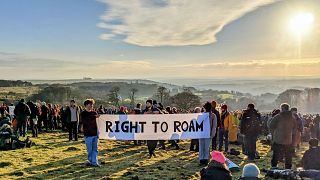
(133,92)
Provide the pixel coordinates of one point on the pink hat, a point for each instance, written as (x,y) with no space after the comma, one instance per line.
(218,156)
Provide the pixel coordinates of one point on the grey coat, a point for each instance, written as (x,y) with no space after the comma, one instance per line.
(282,127)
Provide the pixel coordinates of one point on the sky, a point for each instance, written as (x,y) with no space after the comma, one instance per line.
(158,39)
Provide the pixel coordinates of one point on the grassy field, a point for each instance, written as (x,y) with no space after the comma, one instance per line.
(53,157)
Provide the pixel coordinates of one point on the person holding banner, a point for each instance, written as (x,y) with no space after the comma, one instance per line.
(90,131)
(152,144)
(194,145)
(204,144)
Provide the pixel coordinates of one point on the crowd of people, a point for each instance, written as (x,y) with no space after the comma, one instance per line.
(286,128)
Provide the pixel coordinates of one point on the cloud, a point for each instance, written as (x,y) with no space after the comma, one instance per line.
(106,36)
(172,22)
(249,69)
(19,66)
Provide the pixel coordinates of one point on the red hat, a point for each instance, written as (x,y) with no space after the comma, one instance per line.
(224,106)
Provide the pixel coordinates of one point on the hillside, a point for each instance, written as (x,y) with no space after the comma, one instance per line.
(55,158)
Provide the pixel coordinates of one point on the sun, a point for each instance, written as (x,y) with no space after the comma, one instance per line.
(301,23)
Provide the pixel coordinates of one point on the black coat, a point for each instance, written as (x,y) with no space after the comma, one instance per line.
(215,171)
(310,159)
(250,122)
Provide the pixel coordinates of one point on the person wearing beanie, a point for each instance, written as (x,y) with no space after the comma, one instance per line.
(310,159)
(216,112)
(217,168)
(224,127)
(250,172)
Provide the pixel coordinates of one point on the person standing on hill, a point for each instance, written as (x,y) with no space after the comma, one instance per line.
(282,127)
(204,143)
(73,118)
(233,128)
(250,127)
(225,122)
(299,129)
(216,112)
(90,131)
(316,122)
(152,144)
(22,112)
(33,118)
(43,118)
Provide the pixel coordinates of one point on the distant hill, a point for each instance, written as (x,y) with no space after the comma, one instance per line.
(255,87)
(129,81)
(9,83)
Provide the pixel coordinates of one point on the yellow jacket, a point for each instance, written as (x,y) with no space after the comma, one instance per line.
(227,121)
(233,132)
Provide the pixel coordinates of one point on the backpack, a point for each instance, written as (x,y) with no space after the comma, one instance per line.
(253,123)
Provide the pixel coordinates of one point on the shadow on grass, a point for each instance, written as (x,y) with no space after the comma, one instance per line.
(74,167)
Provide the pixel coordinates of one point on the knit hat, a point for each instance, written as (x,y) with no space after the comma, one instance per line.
(250,170)
(218,156)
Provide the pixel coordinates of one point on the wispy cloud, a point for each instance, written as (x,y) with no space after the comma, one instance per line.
(254,68)
(172,22)
(18,66)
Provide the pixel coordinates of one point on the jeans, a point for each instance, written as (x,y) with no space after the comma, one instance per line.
(22,126)
(204,148)
(250,146)
(223,137)
(92,149)
(73,130)
(278,150)
(34,126)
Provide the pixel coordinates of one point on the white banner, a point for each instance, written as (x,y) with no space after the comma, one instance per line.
(154,126)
